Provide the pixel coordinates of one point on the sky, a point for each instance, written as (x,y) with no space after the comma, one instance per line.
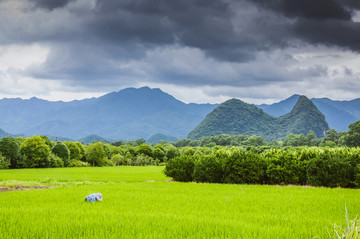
(200,51)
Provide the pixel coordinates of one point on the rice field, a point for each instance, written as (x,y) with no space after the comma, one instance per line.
(140,202)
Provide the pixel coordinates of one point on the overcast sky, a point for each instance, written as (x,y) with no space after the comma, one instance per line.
(260,51)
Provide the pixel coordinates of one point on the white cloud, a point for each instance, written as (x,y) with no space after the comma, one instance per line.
(22,56)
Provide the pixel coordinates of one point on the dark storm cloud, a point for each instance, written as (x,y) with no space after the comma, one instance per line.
(204,24)
(319,22)
(316,9)
(354,4)
(331,32)
(51,4)
(91,40)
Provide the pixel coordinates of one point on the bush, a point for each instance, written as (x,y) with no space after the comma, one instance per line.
(244,167)
(56,161)
(78,163)
(285,167)
(208,169)
(331,168)
(4,162)
(180,168)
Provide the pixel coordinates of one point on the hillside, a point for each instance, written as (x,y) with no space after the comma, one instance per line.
(237,117)
(338,114)
(3,134)
(128,114)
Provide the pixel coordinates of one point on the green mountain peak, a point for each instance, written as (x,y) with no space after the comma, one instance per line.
(237,117)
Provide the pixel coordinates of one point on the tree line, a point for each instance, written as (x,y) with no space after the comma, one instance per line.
(333,138)
(315,166)
(40,152)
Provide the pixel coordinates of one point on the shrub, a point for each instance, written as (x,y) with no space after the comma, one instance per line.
(78,163)
(180,168)
(331,168)
(285,167)
(208,169)
(244,167)
(4,162)
(56,161)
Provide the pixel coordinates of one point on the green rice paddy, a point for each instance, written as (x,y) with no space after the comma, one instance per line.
(140,202)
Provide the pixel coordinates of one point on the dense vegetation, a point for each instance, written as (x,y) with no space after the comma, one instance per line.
(329,167)
(40,152)
(237,117)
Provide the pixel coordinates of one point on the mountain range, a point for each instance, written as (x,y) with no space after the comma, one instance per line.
(236,117)
(136,113)
(128,114)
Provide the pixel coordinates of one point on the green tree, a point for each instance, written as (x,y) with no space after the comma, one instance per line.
(95,154)
(61,151)
(171,151)
(140,141)
(310,138)
(47,141)
(144,149)
(158,153)
(36,152)
(10,149)
(352,138)
(254,141)
(332,135)
(76,152)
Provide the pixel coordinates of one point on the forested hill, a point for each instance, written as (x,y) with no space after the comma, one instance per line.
(237,117)
(339,114)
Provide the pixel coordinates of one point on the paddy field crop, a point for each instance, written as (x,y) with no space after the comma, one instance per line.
(140,202)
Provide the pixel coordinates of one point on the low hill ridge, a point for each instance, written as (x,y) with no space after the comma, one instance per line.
(237,117)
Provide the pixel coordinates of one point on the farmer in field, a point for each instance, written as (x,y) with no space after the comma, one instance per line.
(93,197)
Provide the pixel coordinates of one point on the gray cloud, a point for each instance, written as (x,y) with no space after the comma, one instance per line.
(50,4)
(101,43)
(327,22)
(319,9)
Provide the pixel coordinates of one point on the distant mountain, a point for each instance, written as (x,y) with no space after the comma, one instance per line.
(158,137)
(339,114)
(282,107)
(93,138)
(237,117)
(4,134)
(128,114)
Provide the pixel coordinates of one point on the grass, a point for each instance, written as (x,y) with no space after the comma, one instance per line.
(138,202)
